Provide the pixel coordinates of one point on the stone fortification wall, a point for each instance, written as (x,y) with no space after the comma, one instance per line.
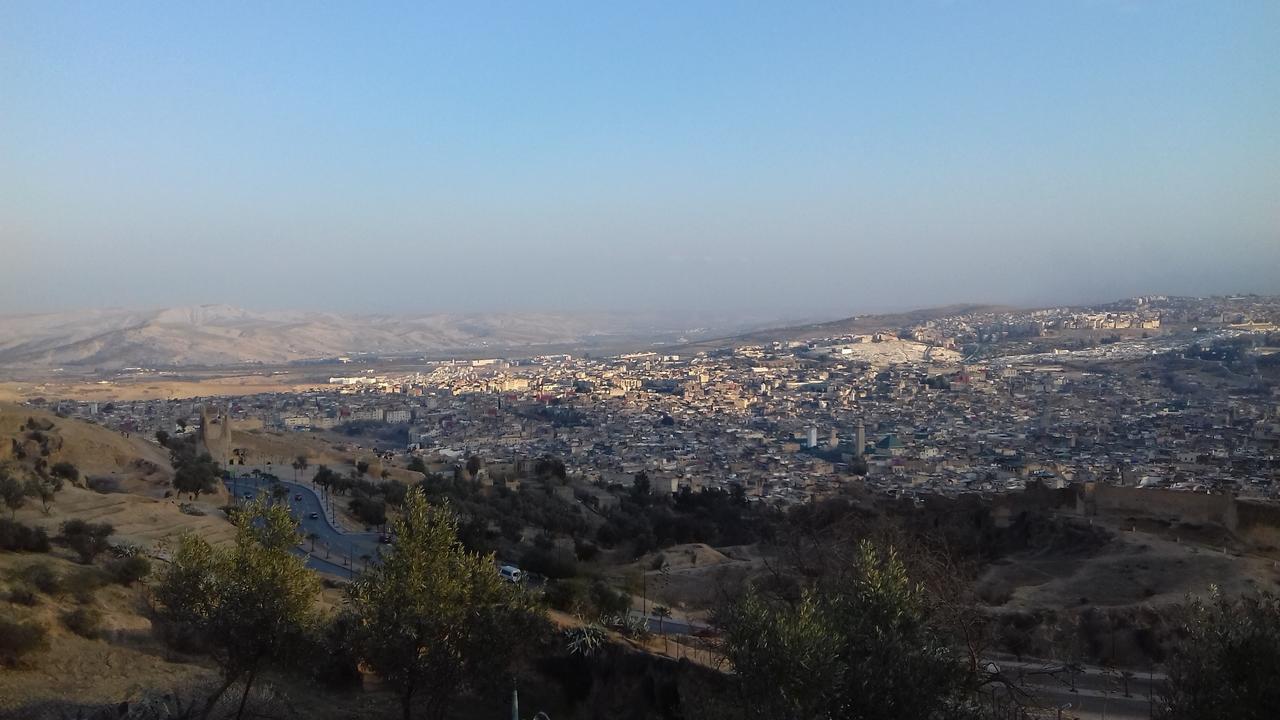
(1187,507)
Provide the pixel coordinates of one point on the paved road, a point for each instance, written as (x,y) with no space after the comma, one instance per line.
(336,552)
(670,626)
(1098,692)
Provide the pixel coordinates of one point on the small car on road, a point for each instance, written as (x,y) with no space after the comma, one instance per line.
(315,516)
(298,497)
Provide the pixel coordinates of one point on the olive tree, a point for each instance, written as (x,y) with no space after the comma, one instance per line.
(251,604)
(1226,660)
(859,646)
(193,473)
(433,619)
(13,492)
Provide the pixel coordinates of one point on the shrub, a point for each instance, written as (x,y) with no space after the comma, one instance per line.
(16,537)
(368,510)
(181,637)
(609,602)
(129,570)
(994,594)
(104,485)
(85,622)
(83,584)
(566,595)
(585,550)
(87,539)
(337,666)
(43,578)
(23,595)
(65,471)
(633,626)
(552,564)
(20,639)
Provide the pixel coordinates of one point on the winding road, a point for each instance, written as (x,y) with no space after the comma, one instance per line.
(336,552)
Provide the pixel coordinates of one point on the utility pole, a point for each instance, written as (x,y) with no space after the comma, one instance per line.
(1151,692)
(644,596)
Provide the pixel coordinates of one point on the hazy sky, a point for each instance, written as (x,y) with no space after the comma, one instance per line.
(745,156)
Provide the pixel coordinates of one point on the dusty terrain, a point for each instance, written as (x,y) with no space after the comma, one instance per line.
(93,449)
(1135,568)
(142,521)
(697,577)
(124,659)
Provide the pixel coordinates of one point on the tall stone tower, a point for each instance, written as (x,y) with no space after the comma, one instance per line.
(861,445)
(215,435)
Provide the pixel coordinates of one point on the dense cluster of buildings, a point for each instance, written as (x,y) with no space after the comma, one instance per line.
(788,421)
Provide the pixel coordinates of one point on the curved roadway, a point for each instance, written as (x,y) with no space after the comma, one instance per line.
(336,552)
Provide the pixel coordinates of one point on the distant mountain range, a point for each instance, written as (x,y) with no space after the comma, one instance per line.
(222,335)
(219,335)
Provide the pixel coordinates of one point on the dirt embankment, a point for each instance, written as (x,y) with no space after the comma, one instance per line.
(124,658)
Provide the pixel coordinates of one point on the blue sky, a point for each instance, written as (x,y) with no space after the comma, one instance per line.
(736,157)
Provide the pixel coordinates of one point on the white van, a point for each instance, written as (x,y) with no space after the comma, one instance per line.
(510,573)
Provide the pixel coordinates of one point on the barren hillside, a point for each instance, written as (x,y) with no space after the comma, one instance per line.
(214,335)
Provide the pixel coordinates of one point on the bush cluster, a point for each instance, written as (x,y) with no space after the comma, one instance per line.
(552,563)
(590,600)
(88,540)
(649,522)
(20,639)
(43,578)
(83,584)
(83,621)
(16,537)
(23,595)
(129,570)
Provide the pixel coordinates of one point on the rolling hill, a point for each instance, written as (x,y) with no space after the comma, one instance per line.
(213,335)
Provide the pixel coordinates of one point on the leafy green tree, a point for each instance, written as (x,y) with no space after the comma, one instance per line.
(43,488)
(1226,661)
(394,491)
(858,646)
(324,476)
(129,570)
(608,601)
(640,487)
(251,604)
(64,470)
(88,540)
(370,511)
(416,465)
(434,619)
(192,473)
(13,492)
(300,465)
